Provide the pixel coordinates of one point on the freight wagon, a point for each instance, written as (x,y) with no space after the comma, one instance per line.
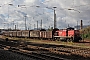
(25,33)
(6,33)
(34,34)
(19,33)
(46,34)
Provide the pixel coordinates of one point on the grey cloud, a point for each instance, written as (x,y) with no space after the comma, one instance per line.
(64,16)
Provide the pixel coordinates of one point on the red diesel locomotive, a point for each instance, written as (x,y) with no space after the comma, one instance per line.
(68,34)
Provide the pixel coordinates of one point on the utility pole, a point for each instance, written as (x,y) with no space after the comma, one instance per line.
(9,15)
(41,23)
(34,26)
(68,26)
(37,25)
(4,26)
(54,18)
(7,25)
(30,26)
(15,27)
(25,22)
(77,25)
(23,6)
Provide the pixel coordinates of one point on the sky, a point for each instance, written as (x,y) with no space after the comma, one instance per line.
(13,12)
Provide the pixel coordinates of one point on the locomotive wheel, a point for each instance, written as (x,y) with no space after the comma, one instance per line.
(76,40)
(6,39)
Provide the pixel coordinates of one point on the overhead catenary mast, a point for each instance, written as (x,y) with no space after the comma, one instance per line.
(54,18)
(41,23)
(37,25)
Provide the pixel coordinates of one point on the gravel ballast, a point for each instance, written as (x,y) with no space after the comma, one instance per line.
(7,55)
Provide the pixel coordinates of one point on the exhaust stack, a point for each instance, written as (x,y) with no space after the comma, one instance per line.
(81,24)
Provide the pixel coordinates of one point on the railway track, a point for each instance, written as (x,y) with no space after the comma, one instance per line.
(62,48)
(64,51)
(32,54)
(46,51)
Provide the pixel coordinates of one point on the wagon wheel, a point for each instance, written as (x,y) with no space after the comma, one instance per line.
(69,40)
(58,39)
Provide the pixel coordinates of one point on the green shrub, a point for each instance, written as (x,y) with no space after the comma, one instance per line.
(85,33)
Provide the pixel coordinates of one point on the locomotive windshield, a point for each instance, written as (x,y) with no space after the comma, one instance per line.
(70,28)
